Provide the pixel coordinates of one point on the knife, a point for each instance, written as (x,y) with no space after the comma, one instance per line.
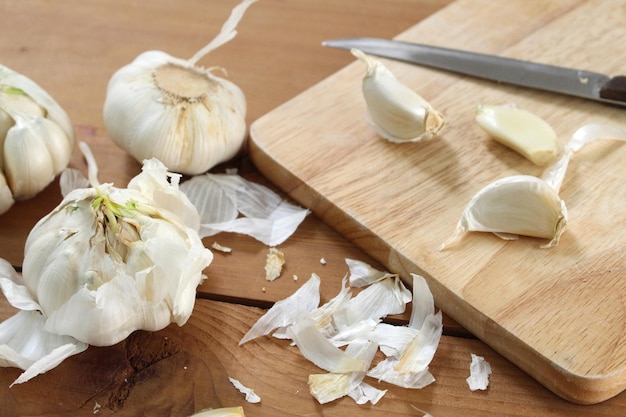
(568,81)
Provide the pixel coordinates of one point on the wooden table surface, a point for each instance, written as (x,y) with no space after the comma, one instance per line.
(71,49)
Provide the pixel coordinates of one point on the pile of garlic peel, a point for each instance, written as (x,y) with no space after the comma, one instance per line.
(104,263)
(396,112)
(168,108)
(526,205)
(322,332)
(36,138)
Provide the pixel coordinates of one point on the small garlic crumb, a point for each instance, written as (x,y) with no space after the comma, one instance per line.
(232,171)
(295,277)
(323,261)
(263,289)
(221,248)
(274,264)
(96,408)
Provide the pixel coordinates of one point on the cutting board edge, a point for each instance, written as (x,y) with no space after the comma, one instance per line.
(576,388)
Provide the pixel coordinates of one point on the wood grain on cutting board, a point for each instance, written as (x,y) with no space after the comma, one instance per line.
(557,313)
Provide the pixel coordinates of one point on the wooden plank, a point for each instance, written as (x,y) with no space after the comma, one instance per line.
(556,313)
(188,367)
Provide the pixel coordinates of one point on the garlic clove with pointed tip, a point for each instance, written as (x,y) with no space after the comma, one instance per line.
(517,205)
(396,112)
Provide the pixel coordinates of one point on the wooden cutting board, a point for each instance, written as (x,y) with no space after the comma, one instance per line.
(559,313)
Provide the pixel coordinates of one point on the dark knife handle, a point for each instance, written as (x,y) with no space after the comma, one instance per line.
(614,89)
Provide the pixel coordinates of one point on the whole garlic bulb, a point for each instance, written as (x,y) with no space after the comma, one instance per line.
(105,262)
(168,108)
(36,138)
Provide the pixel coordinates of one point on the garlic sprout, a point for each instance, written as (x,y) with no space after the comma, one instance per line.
(36,138)
(184,115)
(520,130)
(396,112)
(526,205)
(104,263)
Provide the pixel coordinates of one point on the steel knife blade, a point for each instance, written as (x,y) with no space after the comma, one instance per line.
(573,82)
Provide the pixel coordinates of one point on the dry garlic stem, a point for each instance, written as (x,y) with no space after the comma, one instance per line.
(520,130)
(36,138)
(168,108)
(396,112)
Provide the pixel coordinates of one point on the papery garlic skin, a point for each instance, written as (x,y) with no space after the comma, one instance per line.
(517,205)
(520,130)
(170,109)
(397,113)
(36,137)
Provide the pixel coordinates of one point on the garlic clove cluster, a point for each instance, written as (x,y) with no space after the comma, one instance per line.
(517,205)
(105,262)
(520,130)
(527,205)
(396,112)
(163,107)
(36,138)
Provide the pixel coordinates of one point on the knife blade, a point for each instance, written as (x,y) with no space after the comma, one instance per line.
(573,82)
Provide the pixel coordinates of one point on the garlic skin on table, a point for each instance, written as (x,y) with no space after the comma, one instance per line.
(520,130)
(104,263)
(170,109)
(36,138)
(396,112)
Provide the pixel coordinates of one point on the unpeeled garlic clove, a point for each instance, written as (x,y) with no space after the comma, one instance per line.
(520,130)
(517,205)
(396,112)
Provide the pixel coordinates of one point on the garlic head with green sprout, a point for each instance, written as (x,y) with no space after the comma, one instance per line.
(523,131)
(396,112)
(36,138)
(168,108)
(105,262)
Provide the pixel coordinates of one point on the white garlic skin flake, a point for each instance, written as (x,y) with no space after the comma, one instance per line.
(396,112)
(523,131)
(163,107)
(36,138)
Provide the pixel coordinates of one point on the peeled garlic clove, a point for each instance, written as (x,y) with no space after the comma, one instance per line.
(396,112)
(36,137)
(520,130)
(517,205)
(170,109)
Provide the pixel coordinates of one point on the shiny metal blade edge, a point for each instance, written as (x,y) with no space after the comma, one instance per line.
(574,82)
